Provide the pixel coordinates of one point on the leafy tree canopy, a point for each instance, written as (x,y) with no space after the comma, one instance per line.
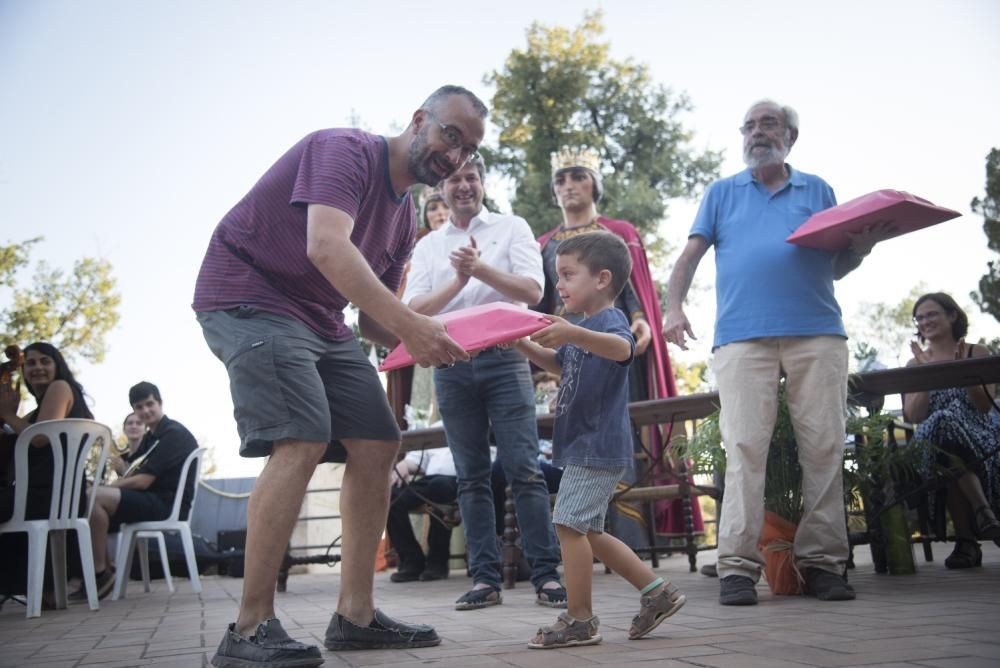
(564,89)
(988,295)
(73,310)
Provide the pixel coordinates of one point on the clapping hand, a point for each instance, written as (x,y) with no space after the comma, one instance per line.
(465,259)
(922,356)
(10,398)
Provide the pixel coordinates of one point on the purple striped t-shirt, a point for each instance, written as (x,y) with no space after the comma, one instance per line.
(257,254)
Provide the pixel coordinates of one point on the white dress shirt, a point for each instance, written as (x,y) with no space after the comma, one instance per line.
(437,461)
(505,243)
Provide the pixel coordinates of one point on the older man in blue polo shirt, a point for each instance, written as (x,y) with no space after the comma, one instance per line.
(776,314)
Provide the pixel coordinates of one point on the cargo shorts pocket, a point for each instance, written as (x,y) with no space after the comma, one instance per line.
(258,399)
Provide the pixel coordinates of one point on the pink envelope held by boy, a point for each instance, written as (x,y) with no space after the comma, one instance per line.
(478,327)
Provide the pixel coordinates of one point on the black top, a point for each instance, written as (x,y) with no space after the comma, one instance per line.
(168,446)
(40,459)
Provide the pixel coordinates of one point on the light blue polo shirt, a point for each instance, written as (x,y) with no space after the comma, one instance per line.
(764,285)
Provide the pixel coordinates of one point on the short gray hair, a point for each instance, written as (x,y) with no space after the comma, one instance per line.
(791,116)
(436,98)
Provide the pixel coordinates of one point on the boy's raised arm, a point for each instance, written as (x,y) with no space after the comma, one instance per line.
(602,344)
(542,357)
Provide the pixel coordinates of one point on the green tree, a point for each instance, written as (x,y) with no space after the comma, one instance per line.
(690,378)
(988,295)
(883,329)
(74,311)
(564,89)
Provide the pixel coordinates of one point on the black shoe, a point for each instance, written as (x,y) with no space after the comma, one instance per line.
(967,554)
(383,633)
(269,647)
(431,574)
(405,575)
(479,598)
(827,586)
(710,570)
(737,590)
(105,583)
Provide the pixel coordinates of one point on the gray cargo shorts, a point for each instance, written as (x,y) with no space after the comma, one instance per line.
(289,383)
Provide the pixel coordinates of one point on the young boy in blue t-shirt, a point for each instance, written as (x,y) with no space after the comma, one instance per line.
(592,439)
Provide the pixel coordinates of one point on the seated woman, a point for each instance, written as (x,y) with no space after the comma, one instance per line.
(58,395)
(958,423)
(134,429)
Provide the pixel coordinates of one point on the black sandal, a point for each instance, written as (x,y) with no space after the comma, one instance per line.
(987,526)
(554,597)
(967,554)
(479,598)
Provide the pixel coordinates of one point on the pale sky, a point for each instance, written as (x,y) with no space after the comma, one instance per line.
(128,129)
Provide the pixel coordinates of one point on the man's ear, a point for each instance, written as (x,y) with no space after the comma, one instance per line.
(793,136)
(417,120)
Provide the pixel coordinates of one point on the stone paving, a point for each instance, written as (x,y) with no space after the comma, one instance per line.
(936,618)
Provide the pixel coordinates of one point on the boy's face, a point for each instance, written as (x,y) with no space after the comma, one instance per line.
(149,410)
(580,290)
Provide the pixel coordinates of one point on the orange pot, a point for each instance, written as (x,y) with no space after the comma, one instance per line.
(776,542)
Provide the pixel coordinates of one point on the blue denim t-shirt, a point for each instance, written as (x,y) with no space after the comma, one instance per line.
(592,426)
(764,285)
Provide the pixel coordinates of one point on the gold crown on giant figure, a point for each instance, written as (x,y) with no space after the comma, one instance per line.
(585,157)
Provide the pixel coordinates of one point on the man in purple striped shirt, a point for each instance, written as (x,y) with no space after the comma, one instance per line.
(329,223)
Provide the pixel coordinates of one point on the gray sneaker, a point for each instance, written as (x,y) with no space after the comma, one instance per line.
(384,632)
(737,590)
(269,647)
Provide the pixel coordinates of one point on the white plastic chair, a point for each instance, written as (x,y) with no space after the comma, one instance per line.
(135,537)
(71,441)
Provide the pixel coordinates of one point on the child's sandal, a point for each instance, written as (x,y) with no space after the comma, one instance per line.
(654,609)
(567,632)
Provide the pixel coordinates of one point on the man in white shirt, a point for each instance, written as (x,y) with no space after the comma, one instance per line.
(479,257)
(422,477)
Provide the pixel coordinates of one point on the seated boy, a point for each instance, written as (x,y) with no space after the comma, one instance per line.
(592,438)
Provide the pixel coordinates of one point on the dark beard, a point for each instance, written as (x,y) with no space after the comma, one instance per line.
(418,159)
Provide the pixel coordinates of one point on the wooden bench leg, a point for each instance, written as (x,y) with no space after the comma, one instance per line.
(690,547)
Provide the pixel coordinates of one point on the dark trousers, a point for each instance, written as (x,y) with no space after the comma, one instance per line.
(437,489)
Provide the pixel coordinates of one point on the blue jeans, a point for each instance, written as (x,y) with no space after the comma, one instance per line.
(494,389)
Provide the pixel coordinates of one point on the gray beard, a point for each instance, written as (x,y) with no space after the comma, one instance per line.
(772,157)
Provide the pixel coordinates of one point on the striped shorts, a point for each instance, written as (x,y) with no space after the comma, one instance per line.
(584,495)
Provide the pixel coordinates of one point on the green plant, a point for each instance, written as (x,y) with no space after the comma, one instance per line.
(783,481)
(878,468)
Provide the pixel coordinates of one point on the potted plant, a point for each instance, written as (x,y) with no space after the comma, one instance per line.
(872,473)
(877,476)
(782,488)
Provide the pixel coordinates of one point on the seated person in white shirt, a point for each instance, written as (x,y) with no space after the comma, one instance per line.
(423,476)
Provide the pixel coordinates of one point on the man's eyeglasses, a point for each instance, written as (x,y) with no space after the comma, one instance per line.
(767,124)
(452,138)
(930,315)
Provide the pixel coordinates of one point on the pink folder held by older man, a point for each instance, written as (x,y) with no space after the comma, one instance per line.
(827,230)
(478,327)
